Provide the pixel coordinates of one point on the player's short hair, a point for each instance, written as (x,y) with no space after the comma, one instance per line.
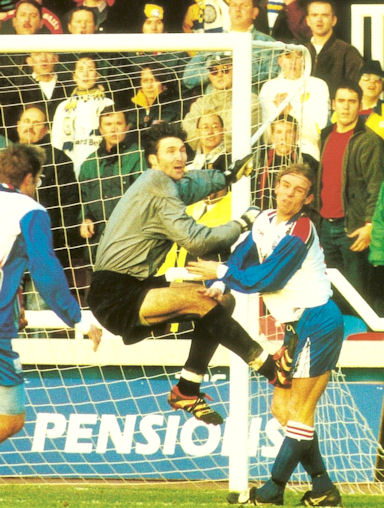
(330,2)
(348,84)
(18,160)
(159,131)
(302,169)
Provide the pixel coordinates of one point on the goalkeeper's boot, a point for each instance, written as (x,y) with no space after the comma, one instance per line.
(269,494)
(194,404)
(330,497)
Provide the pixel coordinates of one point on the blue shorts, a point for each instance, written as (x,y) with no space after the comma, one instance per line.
(12,394)
(320,334)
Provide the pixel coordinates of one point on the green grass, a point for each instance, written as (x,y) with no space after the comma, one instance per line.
(106,496)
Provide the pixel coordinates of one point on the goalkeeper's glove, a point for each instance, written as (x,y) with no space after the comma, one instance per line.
(239,168)
(248,218)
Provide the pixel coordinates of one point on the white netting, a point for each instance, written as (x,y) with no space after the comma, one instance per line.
(111,420)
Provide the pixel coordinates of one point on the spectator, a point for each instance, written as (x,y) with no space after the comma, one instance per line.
(351,171)
(153,23)
(371,83)
(210,149)
(281,152)
(288,21)
(242,14)
(106,174)
(26,20)
(42,85)
(82,20)
(333,60)
(58,193)
(103,10)
(219,100)
(156,98)
(308,103)
(51,22)
(154,19)
(76,120)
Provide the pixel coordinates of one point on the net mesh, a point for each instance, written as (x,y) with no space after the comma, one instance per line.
(112,420)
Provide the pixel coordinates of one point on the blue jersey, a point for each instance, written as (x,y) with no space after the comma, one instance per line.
(26,243)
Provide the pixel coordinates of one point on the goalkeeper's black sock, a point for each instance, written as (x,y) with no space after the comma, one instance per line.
(218,326)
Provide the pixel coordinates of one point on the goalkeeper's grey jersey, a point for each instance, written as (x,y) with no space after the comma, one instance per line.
(151,216)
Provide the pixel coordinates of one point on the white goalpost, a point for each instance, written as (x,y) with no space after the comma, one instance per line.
(104,416)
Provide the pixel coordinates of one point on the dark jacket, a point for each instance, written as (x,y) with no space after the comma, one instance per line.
(337,60)
(362,174)
(59,194)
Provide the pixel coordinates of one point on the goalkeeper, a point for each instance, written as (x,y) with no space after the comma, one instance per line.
(130,301)
(26,242)
(282,259)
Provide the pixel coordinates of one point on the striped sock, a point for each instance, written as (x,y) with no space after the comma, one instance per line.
(298,439)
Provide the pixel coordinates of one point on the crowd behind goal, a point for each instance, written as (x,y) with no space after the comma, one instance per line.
(90,111)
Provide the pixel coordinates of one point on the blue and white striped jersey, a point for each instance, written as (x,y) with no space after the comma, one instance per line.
(26,243)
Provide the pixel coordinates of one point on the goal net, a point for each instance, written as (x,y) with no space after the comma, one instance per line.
(104,416)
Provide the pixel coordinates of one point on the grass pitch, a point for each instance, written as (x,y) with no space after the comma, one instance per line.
(106,496)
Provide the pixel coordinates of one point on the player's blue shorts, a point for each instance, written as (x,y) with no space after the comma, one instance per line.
(11,380)
(320,334)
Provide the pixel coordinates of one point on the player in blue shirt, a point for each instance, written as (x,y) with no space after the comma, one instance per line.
(281,258)
(26,243)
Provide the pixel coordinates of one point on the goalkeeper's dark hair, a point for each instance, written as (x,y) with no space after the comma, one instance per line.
(302,169)
(18,160)
(159,131)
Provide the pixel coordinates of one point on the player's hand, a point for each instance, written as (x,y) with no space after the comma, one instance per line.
(206,270)
(248,218)
(214,293)
(362,238)
(95,333)
(87,228)
(239,168)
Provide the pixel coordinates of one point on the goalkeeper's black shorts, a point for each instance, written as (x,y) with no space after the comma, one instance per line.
(115,300)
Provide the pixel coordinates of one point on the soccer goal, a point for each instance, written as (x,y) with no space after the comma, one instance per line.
(104,416)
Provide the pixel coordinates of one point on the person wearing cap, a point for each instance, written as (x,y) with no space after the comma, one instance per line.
(242,15)
(219,100)
(371,83)
(153,23)
(154,19)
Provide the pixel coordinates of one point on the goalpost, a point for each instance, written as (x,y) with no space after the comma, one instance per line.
(104,415)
